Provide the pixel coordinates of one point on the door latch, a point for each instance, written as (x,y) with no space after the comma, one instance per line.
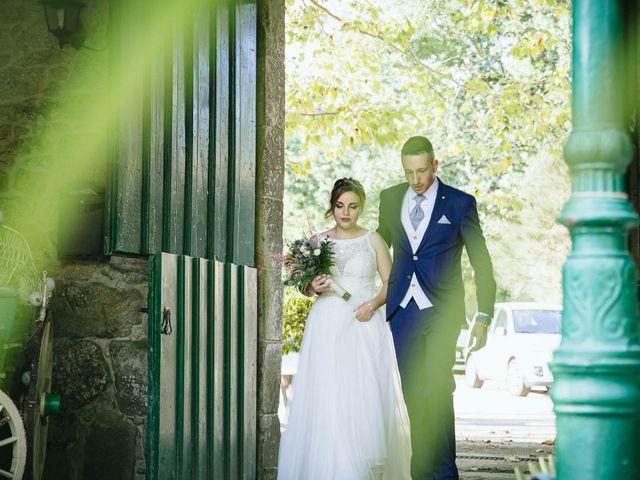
(166,328)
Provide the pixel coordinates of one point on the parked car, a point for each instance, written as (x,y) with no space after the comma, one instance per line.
(462,347)
(520,343)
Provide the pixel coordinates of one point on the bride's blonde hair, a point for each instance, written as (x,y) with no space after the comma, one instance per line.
(341,186)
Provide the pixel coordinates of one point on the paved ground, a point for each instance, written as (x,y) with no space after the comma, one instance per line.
(496,431)
(497,460)
(492,413)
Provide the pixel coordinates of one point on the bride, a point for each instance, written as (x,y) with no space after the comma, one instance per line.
(347,417)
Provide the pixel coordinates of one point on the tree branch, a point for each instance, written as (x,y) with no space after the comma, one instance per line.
(380,38)
(314,114)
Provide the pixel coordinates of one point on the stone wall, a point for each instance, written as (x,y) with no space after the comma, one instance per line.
(52,139)
(269,194)
(47,95)
(100,371)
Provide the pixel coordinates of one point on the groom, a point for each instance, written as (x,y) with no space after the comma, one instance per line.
(427,223)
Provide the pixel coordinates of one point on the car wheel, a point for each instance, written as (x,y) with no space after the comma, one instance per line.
(471,374)
(515,380)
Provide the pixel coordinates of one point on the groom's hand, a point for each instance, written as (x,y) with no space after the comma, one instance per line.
(477,336)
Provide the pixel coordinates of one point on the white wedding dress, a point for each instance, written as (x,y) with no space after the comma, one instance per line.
(347,417)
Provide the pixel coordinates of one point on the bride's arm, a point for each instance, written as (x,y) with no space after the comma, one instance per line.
(365,311)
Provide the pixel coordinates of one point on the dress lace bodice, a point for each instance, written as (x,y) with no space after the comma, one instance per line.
(356,266)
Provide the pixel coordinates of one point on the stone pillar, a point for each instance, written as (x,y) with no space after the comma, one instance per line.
(596,392)
(269,193)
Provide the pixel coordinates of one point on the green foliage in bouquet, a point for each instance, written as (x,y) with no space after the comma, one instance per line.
(307,258)
(296,309)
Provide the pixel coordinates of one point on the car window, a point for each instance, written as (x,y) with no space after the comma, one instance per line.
(536,321)
(501,320)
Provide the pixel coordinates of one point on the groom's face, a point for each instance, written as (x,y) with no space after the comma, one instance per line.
(419,171)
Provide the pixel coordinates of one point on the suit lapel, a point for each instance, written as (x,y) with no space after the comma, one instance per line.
(438,209)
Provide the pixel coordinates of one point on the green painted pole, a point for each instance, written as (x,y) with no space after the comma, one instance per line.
(596,391)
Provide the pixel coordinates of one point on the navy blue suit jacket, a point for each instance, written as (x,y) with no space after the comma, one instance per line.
(436,263)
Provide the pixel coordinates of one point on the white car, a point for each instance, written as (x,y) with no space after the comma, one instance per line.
(520,343)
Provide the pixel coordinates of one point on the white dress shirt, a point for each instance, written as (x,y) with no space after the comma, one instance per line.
(415,238)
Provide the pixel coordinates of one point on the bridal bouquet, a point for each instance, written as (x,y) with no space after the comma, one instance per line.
(308,257)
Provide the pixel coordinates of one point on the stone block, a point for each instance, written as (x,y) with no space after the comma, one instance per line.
(92,309)
(21,83)
(29,181)
(5,180)
(6,40)
(130,368)
(59,463)
(271,176)
(33,43)
(269,362)
(14,12)
(268,474)
(80,372)
(130,264)
(5,60)
(272,228)
(268,441)
(270,296)
(110,448)
(62,431)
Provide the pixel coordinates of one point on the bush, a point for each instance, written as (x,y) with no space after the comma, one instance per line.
(295,312)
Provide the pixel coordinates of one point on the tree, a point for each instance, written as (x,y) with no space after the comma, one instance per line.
(487,81)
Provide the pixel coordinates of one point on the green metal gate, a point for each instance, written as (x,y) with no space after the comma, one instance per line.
(202,370)
(182,190)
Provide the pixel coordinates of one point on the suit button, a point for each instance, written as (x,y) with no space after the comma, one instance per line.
(408,277)
(415,257)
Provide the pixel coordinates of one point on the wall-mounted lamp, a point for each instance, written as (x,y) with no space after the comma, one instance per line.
(63,20)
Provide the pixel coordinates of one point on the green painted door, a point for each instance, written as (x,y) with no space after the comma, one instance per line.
(202,369)
(182,191)
(183,169)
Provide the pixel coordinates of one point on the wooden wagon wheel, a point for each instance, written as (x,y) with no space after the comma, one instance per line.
(40,403)
(13,440)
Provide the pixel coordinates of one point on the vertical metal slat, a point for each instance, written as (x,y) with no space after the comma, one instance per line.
(249,372)
(200,409)
(168,381)
(156,147)
(219,174)
(187,367)
(200,134)
(232,344)
(244,97)
(187,75)
(217,344)
(153,360)
(177,165)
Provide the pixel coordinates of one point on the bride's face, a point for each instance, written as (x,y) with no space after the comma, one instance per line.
(347,210)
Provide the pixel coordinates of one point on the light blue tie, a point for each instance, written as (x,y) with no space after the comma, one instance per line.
(417,214)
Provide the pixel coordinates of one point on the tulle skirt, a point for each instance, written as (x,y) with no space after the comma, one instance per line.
(347,418)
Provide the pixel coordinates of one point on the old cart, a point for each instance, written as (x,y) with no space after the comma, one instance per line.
(26,354)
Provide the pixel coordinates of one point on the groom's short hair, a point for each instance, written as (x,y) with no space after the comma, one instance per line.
(417,146)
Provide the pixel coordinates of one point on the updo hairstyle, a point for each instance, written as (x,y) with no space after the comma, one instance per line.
(341,186)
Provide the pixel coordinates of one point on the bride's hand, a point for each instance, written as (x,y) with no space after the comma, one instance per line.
(364,312)
(320,283)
